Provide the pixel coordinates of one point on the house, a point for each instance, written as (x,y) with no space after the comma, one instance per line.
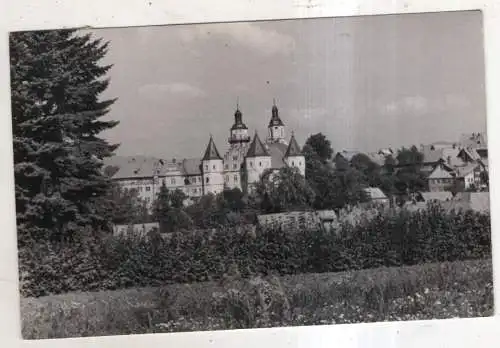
(435,196)
(135,230)
(441,178)
(376,196)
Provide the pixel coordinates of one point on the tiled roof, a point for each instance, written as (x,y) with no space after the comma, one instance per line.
(135,166)
(257,149)
(293,148)
(348,154)
(465,170)
(277,152)
(440,173)
(375,193)
(211,153)
(191,166)
(474,140)
(436,196)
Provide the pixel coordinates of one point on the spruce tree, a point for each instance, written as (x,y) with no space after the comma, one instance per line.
(56,82)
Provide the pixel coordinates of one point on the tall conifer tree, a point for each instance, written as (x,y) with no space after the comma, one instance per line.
(57,80)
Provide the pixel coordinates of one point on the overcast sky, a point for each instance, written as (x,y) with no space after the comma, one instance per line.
(364,82)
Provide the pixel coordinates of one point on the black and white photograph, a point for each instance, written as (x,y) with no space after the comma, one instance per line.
(244,175)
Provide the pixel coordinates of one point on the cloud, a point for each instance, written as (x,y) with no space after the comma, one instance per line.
(418,105)
(266,41)
(410,104)
(179,89)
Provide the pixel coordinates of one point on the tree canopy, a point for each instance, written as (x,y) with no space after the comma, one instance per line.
(57,80)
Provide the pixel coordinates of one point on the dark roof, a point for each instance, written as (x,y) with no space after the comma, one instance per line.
(256,148)
(277,152)
(191,166)
(238,121)
(275,119)
(211,153)
(293,148)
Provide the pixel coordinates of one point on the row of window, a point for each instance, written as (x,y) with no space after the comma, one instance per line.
(235,178)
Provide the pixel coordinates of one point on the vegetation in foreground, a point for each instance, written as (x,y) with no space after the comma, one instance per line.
(443,290)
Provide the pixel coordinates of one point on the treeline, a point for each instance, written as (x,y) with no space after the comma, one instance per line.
(328,184)
(390,239)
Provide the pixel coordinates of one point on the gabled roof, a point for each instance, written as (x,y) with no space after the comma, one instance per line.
(277,152)
(375,193)
(474,140)
(465,170)
(191,166)
(347,154)
(440,173)
(211,153)
(293,148)
(436,196)
(256,148)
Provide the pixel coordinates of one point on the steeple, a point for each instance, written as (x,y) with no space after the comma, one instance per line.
(211,153)
(239,131)
(275,119)
(256,148)
(276,127)
(293,148)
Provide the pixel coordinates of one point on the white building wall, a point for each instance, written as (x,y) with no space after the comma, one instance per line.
(255,166)
(213,178)
(297,162)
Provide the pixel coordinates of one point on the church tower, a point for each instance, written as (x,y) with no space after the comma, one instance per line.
(212,169)
(276,127)
(239,131)
(257,161)
(294,157)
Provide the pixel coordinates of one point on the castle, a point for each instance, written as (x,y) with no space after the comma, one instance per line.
(241,167)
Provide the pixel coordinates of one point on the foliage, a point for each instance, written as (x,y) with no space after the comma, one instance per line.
(284,190)
(56,81)
(390,238)
(169,212)
(431,291)
(320,145)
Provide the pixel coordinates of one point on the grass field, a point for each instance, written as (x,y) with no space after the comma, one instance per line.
(446,290)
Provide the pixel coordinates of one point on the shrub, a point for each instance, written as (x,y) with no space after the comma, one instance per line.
(389,238)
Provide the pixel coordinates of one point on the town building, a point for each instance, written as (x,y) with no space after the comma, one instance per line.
(241,166)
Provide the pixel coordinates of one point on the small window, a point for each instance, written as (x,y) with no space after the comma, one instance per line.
(236,178)
(148,188)
(227,178)
(293,163)
(226,166)
(207,180)
(206,167)
(251,164)
(235,166)
(260,164)
(213,167)
(275,128)
(235,158)
(172,181)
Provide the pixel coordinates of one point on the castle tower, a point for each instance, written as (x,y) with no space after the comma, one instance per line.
(212,169)
(276,126)
(239,131)
(294,157)
(257,161)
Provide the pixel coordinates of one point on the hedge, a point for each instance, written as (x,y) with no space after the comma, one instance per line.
(389,239)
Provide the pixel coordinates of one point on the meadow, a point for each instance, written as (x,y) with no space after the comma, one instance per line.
(428,291)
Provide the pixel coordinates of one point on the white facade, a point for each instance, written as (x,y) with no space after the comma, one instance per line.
(213,179)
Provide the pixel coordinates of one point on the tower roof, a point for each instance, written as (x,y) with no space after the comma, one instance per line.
(211,153)
(257,149)
(238,121)
(275,118)
(293,148)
